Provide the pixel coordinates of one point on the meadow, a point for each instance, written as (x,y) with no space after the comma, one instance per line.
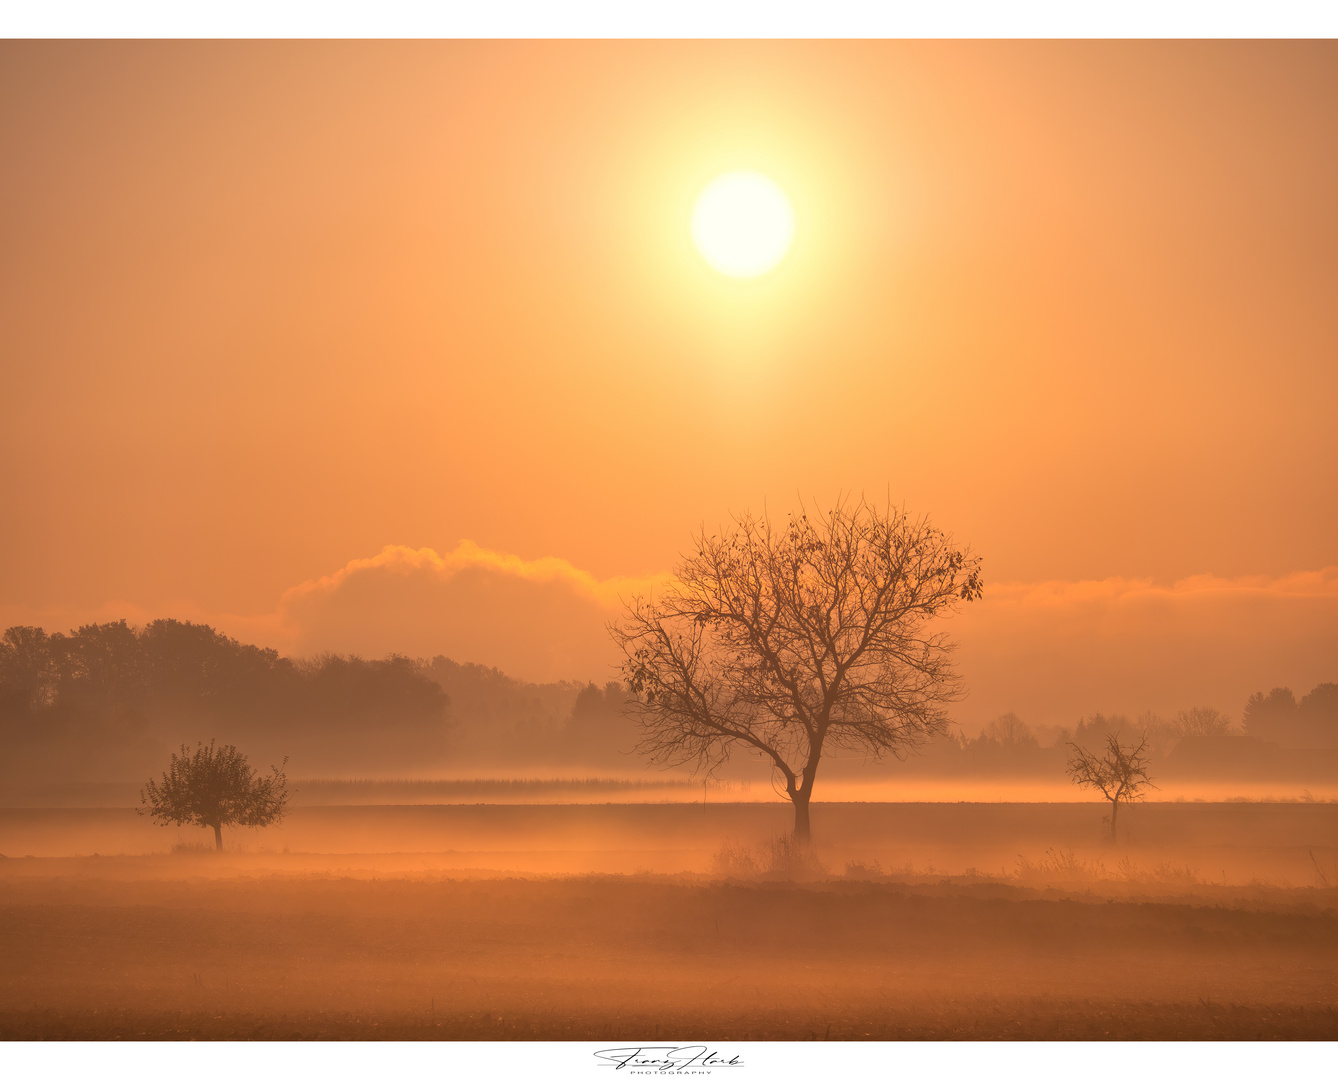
(675,920)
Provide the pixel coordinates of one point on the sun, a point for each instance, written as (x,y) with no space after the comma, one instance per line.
(743,224)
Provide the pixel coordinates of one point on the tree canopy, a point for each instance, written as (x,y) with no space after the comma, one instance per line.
(1279,717)
(110,699)
(791,640)
(213,787)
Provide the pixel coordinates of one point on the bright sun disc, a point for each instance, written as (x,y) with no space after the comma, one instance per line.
(742,224)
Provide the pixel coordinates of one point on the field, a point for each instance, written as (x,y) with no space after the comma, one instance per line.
(676,921)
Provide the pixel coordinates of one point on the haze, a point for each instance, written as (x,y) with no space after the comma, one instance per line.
(349,390)
(271,307)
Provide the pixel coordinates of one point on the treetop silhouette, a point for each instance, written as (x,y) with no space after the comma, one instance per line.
(213,787)
(792,640)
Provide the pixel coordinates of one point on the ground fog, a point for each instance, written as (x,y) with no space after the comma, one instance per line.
(675,920)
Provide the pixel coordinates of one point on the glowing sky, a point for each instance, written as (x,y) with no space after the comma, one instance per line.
(266,309)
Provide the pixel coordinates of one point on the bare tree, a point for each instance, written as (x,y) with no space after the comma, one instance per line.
(215,787)
(1011,732)
(791,640)
(1156,732)
(1201,720)
(1120,773)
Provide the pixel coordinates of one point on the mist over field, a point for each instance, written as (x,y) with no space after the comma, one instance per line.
(678,921)
(470,856)
(107,703)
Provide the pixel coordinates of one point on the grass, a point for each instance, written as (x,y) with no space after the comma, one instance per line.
(1032,1019)
(1056,866)
(594,957)
(781,858)
(930,921)
(496,784)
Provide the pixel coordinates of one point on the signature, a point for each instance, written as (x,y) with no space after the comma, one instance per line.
(666,1058)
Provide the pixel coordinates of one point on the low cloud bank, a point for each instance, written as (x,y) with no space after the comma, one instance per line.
(1049,651)
(540,620)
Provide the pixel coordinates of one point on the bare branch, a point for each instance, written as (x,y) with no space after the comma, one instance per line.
(787,641)
(1120,773)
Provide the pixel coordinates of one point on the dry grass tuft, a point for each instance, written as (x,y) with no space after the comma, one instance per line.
(782,858)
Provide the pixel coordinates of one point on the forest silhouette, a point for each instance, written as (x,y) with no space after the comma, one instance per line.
(109,701)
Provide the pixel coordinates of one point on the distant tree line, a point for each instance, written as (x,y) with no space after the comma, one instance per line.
(1311,723)
(1010,746)
(108,700)
(500,721)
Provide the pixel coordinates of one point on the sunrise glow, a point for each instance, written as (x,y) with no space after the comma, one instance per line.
(743,224)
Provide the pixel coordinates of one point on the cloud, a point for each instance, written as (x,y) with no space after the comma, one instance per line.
(1314,584)
(538,619)
(1053,651)
(469,556)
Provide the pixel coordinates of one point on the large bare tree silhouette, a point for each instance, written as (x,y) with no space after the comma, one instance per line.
(789,641)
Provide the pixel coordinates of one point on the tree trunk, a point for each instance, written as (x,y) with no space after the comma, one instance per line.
(218,837)
(1114,810)
(801,828)
(801,793)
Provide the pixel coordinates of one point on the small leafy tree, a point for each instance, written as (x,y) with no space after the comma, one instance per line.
(1120,773)
(213,787)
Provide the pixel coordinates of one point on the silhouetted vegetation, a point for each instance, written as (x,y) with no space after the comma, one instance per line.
(1199,742)
(109,700)
(788,642)
(213,787)
(1119,772)
(499,720)
(1278,717)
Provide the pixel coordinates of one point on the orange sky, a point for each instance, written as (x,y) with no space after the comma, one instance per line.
(267,309)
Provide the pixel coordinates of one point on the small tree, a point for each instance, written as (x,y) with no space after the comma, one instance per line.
(1120,773)
(791,641)
(214,787)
